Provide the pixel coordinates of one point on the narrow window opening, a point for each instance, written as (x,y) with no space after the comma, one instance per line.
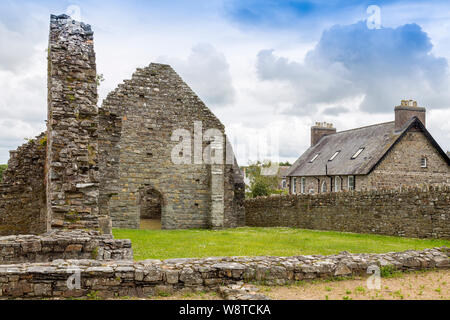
(351,183)
(303,185)
(423,162)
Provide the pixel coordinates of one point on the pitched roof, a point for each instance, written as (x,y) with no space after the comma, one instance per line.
(376,140)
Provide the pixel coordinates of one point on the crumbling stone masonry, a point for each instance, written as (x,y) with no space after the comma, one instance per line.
(54,245)
(419,212)
(97,165)
(72,149)
(110,279)
(22,190)
(137,122)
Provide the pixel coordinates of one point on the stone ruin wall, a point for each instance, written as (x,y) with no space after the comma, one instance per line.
(137,121)
(84,184)
(72,150)
(56,245)
(114,279)
(22,190)
(418,212)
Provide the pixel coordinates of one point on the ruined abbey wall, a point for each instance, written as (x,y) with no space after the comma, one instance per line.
(137,122)
(98,165)
(22,190)
(72,150)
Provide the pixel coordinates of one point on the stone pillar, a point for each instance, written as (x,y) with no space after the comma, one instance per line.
(72,147)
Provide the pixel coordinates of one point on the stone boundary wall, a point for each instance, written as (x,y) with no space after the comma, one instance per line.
(150,277)
(419,212)
(22,190)
(63,245)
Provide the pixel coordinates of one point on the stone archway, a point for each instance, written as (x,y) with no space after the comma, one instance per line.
(151,203)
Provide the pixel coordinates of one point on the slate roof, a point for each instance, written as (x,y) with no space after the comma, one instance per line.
(376,140)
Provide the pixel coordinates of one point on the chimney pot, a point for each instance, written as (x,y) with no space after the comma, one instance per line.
(319,130)
(406,111)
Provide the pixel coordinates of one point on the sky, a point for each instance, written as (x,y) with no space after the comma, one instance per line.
(268,69)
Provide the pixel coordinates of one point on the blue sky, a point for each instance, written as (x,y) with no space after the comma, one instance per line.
(265,68)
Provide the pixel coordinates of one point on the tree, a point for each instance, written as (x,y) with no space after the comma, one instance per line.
(2,168)
(261,185)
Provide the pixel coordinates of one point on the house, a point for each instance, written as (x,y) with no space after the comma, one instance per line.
(385,155)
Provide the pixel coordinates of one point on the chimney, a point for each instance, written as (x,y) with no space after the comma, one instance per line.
(405,111)
(319,130)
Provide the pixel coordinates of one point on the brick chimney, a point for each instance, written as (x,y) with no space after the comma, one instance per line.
(405,111)
(319,130)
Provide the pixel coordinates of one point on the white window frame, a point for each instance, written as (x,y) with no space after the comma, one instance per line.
(334,155)
(337,186)
(324,184)
(357,153)
(352,186)
(314,158)
(303,185)
(424,162)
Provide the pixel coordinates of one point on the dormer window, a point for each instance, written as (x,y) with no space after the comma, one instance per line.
(357,153)
(314,158)
(423,162)
(334,155)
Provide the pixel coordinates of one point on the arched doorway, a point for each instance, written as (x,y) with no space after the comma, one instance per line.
(150,208)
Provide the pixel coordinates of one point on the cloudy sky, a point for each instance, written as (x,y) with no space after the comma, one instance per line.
(268,69)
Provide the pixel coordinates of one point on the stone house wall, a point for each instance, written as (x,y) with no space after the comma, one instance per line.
(410,212)
(22,190)
(137,121)
(401,166)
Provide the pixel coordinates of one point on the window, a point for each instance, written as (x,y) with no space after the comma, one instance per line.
(283,184)
(357,153)
(337,184)
(423,162)
(294,185)
(303,185)
(315,157)
(324,187)
(351,183)
(334,155)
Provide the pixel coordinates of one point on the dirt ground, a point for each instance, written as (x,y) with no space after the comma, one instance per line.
(430,285)
(151,224)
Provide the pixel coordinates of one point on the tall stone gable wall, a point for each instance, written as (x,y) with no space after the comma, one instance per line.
(72,155)
(22,190)
(137,121)
(411,212)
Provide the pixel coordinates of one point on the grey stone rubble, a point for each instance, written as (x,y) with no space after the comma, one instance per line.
(77,244)
(111,279)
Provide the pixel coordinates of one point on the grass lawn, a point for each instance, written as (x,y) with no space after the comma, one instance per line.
(167,244)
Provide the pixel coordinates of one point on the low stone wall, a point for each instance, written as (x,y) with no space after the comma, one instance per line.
(77,278)
(411,212)
(63,245)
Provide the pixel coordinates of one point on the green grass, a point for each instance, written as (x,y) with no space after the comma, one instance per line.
(167,244)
